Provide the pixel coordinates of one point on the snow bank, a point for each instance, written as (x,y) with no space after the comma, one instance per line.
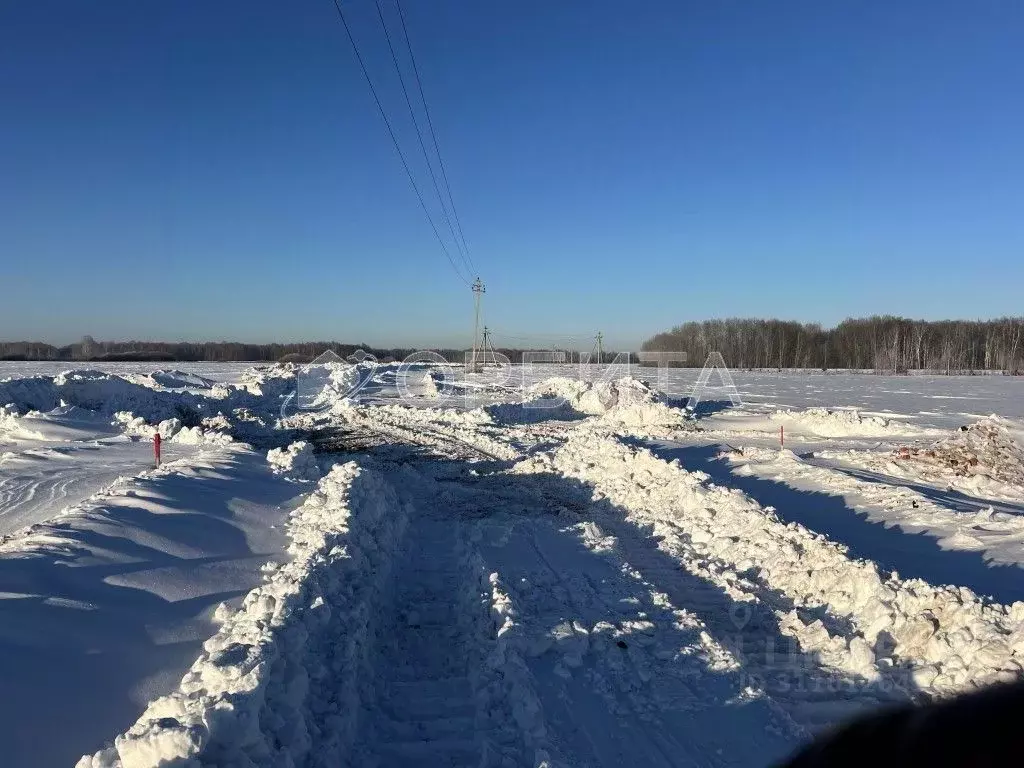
(172,430)
(986,455)
(627,400)
(883,498)
(506,676)
(11,426)
(109,394)
(35,393)
(67,423)
(938,639)
(297,461)
(278,681)
(269,381)
(824,422)
(201,436)
(173,379)
(104,393)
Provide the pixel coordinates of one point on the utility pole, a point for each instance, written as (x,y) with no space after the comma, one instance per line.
(600,347)
(487,343)
(478,291)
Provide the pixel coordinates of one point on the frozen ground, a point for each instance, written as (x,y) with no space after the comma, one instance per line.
(519,572)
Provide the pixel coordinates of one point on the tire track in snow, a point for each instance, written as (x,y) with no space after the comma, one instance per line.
(447,437)
(425,709)
(625,675)
(443,688)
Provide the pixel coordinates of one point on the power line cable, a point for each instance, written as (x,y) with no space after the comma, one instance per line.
(394,140)
(433,133)
(538,336)
(419,138)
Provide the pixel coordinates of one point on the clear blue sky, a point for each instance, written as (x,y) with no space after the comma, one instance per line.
(206,170)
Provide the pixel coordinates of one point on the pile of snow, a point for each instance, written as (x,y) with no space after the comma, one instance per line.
(506,668)
(65,423)
(211,431)
(530,412)
(96,391)
(824,422)
(174,380)
(267,381)
(627,401)
(319,387)
(9,420)
(200,436)
(275,685)
(108,394)
(137,426)
(428,387)
(296,461)
(35,393)
(983,454)
(140,408)
(942,638)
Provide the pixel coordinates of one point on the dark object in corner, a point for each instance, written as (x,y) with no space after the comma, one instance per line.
(977,730)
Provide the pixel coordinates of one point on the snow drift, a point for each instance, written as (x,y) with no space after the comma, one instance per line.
(627,401)
(276,679)
(825,422)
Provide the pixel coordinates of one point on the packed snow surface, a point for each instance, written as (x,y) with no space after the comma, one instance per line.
(349,565)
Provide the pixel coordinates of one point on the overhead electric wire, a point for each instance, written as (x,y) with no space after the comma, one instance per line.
(419,138)
(538,336)
(433,133)
(394,140)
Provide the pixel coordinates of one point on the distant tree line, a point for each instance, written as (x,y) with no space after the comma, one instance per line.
(88,349)
(884,344)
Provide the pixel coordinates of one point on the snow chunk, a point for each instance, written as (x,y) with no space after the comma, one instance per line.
(297,461)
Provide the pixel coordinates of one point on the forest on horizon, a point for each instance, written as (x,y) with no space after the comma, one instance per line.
(882,343)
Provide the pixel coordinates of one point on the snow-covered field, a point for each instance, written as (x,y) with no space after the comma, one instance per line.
(513,568)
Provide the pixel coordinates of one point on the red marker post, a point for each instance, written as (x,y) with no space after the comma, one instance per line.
(782,437)
(156,448)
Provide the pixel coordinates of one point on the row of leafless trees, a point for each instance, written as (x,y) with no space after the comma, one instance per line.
(88,349)
(219,351)
(881,343)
